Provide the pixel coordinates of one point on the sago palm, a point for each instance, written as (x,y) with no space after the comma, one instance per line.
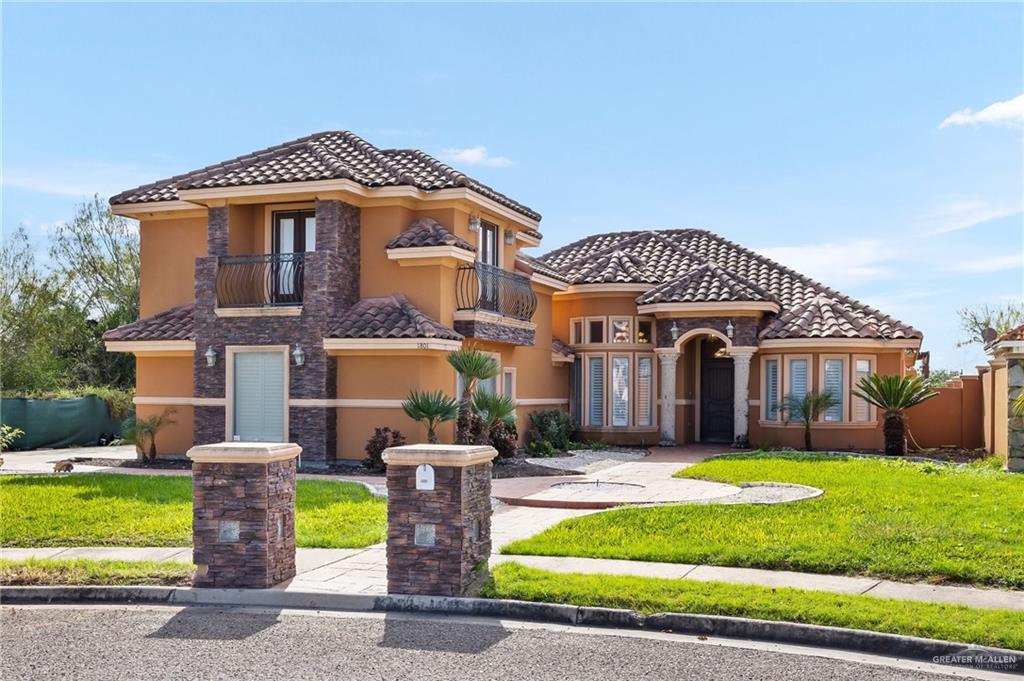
(492,409)
(894,395)
(472,365)
(432,409)
(807,409)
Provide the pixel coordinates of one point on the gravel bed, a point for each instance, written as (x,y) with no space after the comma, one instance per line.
(589,460)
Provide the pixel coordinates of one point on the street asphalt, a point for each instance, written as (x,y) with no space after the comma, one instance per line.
(138,642)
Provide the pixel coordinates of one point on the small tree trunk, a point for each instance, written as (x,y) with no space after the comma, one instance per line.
(484,438)
(431,437)
(895,431)
(807,436)
(463,423)
(152,450)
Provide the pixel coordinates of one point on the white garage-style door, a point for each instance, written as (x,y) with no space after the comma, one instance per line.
(259,396)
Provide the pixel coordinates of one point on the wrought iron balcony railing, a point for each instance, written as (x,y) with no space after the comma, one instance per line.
(260,280)
(485,287)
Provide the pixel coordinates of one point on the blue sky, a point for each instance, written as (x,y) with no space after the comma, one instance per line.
(875,147)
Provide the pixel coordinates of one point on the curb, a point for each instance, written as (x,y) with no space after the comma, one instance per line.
(893,645)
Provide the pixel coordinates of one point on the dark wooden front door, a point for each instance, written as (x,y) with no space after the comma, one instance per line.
(716,392)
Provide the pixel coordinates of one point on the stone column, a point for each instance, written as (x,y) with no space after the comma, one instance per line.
(217,230)
(1015,423)
(243,514)
(439,518)
(741,396)
(667,388)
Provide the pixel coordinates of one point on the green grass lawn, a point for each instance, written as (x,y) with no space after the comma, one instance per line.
(877,517)
(106,509)
(75,572)
(1003,628)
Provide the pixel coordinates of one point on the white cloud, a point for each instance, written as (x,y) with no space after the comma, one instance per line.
(839,263)
(79,179)
(1008,113)
(965,213)
(476,156)
(996,263)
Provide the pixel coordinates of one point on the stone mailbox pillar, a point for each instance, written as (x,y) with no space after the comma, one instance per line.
(243,514)
(439,518)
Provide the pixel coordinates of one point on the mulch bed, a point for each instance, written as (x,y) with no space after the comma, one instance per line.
(161,464)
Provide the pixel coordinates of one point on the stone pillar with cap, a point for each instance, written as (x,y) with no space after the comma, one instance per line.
(741,395)
(439,518)
(243,514)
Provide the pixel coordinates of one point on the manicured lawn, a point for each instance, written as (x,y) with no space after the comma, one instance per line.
(1003,628)
(877,517)
(73,572)
(105,509)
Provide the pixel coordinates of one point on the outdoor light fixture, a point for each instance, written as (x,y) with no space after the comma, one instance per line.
(729,328)
(674,331)
(474,223)
(298,355)
(211,356)
(510,237)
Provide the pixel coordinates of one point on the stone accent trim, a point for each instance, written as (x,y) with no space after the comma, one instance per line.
(1014,423)
(481,330)
(744,328)
(217,231)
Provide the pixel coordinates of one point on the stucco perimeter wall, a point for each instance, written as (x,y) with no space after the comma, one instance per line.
(1000,411)
(167,378)
(168,249)
(954,417)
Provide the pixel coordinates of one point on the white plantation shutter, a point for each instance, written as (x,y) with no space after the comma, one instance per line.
(771,389)
(834,372)
(644,390)
(798,378)
(861,409)
(259,397)
(620,391)
(595,370)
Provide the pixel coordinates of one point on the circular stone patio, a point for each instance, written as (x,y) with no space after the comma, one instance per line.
(652,483)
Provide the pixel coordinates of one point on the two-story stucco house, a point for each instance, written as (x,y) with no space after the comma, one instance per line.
(300,292)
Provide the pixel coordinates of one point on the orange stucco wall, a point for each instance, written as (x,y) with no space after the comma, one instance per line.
(168,251)
(1000,411)
(167,377)
(954,417)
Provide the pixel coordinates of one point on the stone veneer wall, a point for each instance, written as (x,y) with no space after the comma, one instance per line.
(461,499)
(331,286)
(744,328)
(1015,424)
(256,496)
(474,328)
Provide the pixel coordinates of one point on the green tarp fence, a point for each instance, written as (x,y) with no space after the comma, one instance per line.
(58,423)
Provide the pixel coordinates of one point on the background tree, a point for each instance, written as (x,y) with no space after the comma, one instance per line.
(938,377)
(974,320)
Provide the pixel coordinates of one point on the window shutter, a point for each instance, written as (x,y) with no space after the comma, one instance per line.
(644,392)
(771,389)
(596,396)
(834,385)
(861,408)
(259,397)
(576,391)
(620,391)
(798,378)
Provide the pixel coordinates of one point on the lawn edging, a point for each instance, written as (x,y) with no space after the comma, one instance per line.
(895,645)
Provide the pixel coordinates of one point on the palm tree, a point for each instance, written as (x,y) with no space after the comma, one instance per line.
(472,365)
(432,409)
(492,409)
(894,395)
(143,430)
(807,409)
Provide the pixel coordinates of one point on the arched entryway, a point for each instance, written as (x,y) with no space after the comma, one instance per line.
(716,393)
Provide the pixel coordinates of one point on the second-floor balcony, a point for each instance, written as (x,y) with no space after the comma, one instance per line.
(262,280)
(487,288)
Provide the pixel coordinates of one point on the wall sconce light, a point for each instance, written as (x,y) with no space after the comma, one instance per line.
(474,223)
(729,328)
(299,356)
(510,237)
(674,331)
(211,356)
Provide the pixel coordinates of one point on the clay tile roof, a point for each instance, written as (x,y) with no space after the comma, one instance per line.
(705,283)
(330,155)
(389,317)
(529,265)
(1016,334)
(561,347)
(171,325)
(428,232)
(668,258)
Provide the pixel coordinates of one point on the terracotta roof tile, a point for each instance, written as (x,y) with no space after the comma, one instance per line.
(389,317)
(705,283)
(672,255)
(1016,334)
(328,155)
(529,265)
(171,325)
(561,347)
(428,232)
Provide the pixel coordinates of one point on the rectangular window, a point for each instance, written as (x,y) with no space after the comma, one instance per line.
(508,383)
(620,391)
(861,408)
(644,330)
(644,390)
(834,370)
(595,330)
(576,390)
(576,337)
(771,389)
(489,243)
(621,331)
(798,380)
(595,391)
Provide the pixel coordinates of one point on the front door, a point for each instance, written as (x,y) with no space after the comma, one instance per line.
(489,292)
(716,393)
(259,396)
(294,231)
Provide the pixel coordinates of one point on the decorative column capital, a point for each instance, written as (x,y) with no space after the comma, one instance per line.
(667,355)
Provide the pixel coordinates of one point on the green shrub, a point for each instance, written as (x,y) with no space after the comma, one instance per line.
(8,434)
(553,428)
(381,439)
(593,445)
